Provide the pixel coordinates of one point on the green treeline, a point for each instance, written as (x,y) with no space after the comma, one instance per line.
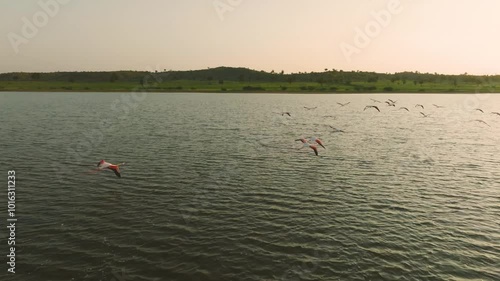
(230,79)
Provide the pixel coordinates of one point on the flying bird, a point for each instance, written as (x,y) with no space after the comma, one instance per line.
(101,165)
(306,144)
(438,106)
(374,100)
(479,109)
(497,113)
(310,108)
(425,115)
(404,108)
(343,104)
(419,105)
(481,121)
(335,130)
(371,106)
(390,103)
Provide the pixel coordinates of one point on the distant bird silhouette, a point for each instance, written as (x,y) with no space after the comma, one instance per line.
(390,103)
(438,106)
(335,130)
(343,104)
(306,144)
(310,108)
(479,109)
(419,105)
(425,115)
(371,106)
(497,113)
(481,121)
(284,113)
(404,108)
(374,100)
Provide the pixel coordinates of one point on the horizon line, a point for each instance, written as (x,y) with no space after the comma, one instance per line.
(248,68)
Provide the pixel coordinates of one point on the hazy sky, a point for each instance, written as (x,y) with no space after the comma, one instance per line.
(444,36)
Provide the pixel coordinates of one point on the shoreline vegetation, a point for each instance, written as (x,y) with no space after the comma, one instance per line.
(244,80)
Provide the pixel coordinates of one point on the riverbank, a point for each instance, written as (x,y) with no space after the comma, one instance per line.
(246,87)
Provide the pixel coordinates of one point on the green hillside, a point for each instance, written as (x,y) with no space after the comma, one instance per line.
(227,79)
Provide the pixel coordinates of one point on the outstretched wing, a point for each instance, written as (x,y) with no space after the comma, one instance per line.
(117,173)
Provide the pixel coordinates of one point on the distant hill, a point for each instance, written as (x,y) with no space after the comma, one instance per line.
(239,79)
(241,74)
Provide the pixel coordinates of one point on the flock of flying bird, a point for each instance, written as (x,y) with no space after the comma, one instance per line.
(312,142)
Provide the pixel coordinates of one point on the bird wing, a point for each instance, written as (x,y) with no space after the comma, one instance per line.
(320,143)
(116,170)
(117,173)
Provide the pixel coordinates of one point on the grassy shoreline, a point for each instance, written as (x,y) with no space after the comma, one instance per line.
(188,86)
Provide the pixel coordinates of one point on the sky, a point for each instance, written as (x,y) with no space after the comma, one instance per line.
(444,36)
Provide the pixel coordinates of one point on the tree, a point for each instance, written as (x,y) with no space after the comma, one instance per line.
(321,80)
(113,77)
(35,76)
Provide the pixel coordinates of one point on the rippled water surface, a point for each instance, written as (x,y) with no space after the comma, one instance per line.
(214,187)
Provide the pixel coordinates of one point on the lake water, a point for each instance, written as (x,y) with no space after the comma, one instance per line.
(214,187)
